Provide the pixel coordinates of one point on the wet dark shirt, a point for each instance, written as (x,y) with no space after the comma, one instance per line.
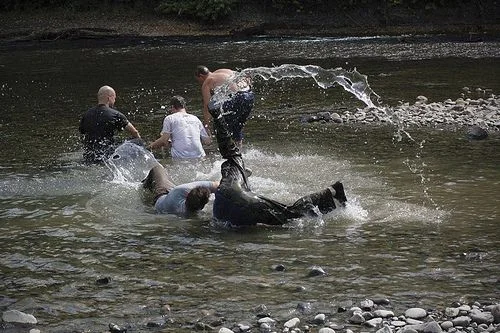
(99,126)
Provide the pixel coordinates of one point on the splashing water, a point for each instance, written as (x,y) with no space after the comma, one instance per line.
(352,81)
(130,163)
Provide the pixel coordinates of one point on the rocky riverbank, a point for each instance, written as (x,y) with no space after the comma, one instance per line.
(370,315)
(480,114)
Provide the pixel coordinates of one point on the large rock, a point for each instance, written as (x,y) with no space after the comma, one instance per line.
(15,316)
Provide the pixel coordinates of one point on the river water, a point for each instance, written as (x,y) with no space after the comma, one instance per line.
(81,247)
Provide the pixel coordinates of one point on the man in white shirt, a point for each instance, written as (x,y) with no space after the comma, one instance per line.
(183,200)
(183,132)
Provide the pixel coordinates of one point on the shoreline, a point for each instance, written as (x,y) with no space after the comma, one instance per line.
(125,24)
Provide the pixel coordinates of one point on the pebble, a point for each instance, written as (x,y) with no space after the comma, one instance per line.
(416,313)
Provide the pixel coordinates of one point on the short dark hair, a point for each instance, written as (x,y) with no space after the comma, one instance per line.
(197,198)
(178,102)
(201,70)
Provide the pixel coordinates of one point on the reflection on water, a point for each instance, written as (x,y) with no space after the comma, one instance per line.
(415,206)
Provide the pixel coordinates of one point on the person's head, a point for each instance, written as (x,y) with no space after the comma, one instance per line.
(196,199)
(106,95)
(201,73)
(178,102)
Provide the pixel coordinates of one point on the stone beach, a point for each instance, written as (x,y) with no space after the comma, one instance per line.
(482,112)
(369,315)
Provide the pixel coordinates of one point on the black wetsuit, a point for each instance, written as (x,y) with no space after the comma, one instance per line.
(98,126)
(236,204)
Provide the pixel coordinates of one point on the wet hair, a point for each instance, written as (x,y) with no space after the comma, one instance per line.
(197,198)
(178,102)
(201,70)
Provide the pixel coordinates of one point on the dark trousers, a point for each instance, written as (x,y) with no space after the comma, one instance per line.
(158,182)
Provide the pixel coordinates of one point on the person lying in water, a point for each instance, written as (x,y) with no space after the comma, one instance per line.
(237,204)
(183,200)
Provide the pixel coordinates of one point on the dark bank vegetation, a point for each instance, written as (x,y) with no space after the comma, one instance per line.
(209,11)
(47,20)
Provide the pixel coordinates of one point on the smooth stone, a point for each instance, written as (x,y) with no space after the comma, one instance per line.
(34,330)
(265,327)
(429,327)
(481,317)
(319,318)
(266,320)
(374,322)
(398,323)
(407,329)
(463,321)
(416,313)
(316,271)
(357,318)
(326,330)
(15,316)
(446,325)
(244,327)
(385,329)
(383,313)
(354,309)
(292,323)
(464,309)
(495,311)
(451,312)
(411,321)
(367,304)
(225,330)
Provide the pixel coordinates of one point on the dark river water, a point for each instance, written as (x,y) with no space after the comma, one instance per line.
(421,227)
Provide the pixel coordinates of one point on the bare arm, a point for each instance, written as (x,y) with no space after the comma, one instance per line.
(131,129)
(162,141)
(206,95)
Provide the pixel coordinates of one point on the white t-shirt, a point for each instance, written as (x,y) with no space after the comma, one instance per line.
(186,131)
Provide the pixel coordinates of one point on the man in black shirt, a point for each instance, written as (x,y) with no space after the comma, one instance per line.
(99,125)
(237,204)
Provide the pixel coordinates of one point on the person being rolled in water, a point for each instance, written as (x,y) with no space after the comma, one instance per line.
(237,204)
(183,200)
(239,105)
(99,125)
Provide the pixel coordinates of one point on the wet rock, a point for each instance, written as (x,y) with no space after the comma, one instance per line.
(495,311)
(383,313)
(114,328)
(385,329)
(304,307)
(477,133)
(480,317)
(446,325)
(367,305)
(463,321)
(103,281)
(294,322)
(374,322)
(279,268)
(15,316)
(316,271)
(357,318)
(451,312)
(319,319)
(225,330)
(326,330)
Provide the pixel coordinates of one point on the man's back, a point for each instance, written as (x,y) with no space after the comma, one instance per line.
(186,131)
(98,126)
